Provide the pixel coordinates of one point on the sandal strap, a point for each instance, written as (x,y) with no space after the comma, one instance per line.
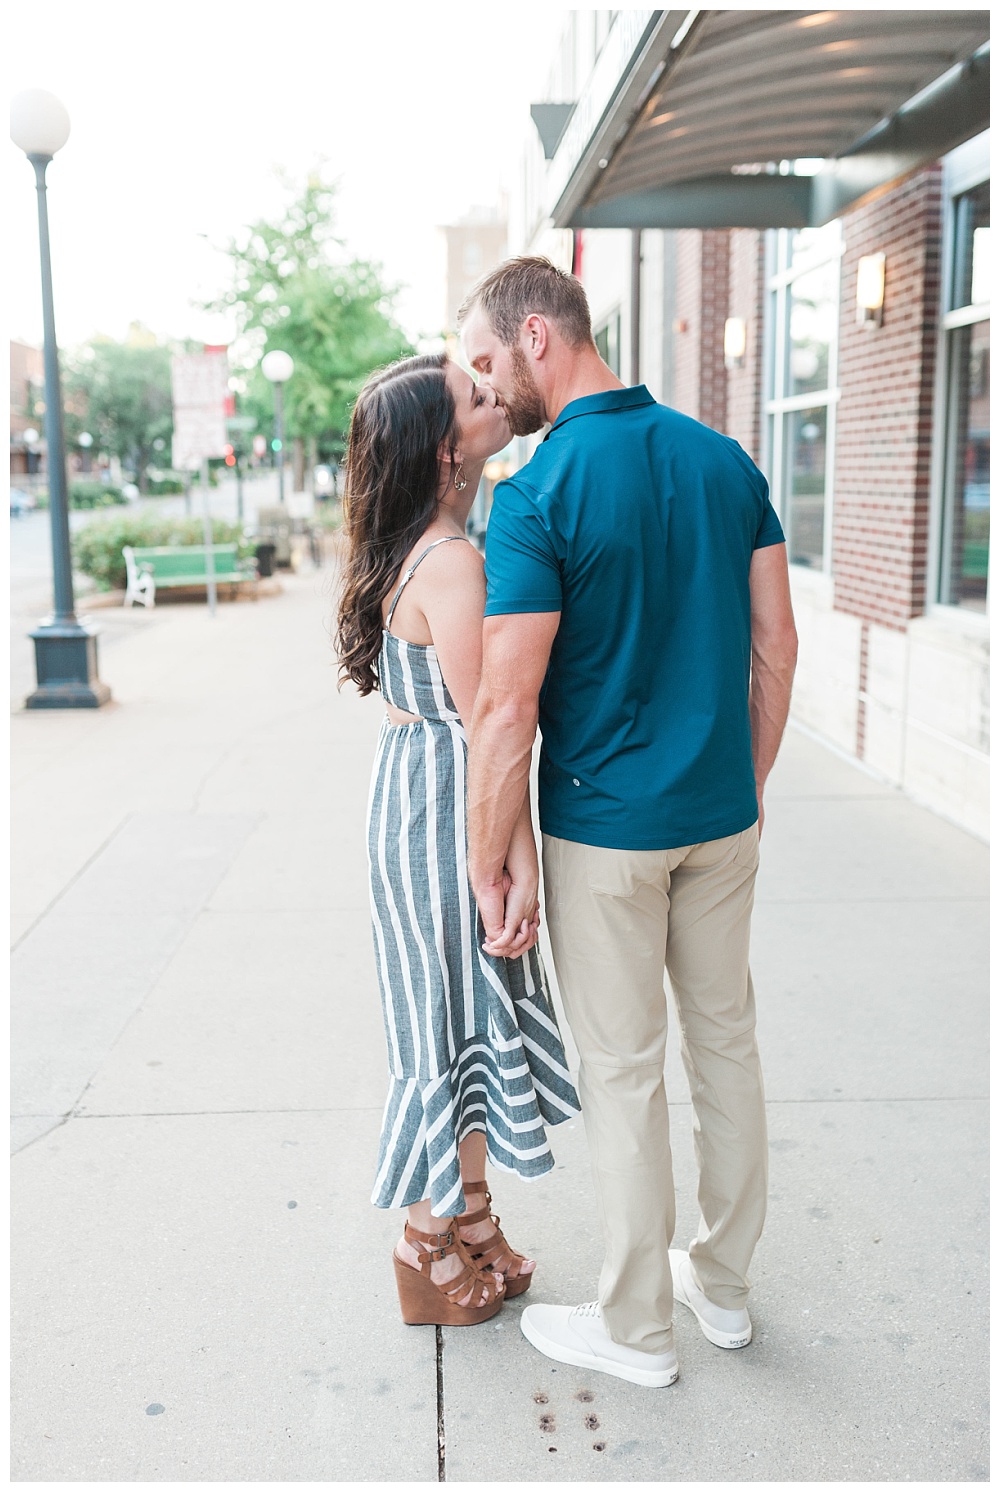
(490,1251)
(450,1242)
(469,1219)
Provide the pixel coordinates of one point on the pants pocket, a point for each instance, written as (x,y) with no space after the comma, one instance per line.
(620,873)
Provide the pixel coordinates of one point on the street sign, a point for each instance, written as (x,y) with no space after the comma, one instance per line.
(200,383)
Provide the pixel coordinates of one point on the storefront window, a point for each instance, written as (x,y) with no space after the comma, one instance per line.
(965,538)
(804,282)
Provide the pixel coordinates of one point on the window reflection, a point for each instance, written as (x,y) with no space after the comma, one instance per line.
(813,243)
(805,475)
(970,286)
(812,327)
(965,532)
(967,545)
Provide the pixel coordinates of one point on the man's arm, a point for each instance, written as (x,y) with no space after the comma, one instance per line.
(774,646)
(516,652)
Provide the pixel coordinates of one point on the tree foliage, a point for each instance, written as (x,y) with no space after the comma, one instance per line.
(120,393)
(294,288)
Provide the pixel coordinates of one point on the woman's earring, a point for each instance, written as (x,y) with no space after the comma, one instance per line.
(461,480)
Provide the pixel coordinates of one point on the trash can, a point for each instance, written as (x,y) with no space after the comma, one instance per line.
(264,554)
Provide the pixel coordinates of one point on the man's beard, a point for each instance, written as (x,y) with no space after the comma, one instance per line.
(523,405)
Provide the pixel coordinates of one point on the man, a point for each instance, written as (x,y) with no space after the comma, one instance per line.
(635,569)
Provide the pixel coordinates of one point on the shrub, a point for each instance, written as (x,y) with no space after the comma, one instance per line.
(164,486)
(95,495)
(97,547)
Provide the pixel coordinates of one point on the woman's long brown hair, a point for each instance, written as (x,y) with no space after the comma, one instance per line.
(403,415)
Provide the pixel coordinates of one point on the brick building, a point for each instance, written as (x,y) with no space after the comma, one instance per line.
(472,247)
(27,409)
(726,246)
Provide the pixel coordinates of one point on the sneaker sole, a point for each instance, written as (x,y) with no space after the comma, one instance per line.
(645,1377)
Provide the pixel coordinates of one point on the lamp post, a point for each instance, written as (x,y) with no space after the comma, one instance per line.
(85,440)
(65,650)
(277,368)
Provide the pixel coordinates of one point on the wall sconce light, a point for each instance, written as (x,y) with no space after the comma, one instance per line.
(734,341)
(871,289)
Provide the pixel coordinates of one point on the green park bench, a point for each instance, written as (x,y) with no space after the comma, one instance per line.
(152,569)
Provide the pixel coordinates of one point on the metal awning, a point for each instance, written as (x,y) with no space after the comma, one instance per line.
(726,118)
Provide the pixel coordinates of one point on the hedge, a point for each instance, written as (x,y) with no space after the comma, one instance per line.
(95,495)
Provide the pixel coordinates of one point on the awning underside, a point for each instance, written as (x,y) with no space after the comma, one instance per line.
(747,90)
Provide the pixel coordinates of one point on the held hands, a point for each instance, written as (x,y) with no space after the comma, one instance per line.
(509,909)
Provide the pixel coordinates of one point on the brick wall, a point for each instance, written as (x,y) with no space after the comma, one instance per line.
(700,382)
(746,299)
(886,376)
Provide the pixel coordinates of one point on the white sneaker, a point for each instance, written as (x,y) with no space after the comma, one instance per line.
(723,1328)
(577,1335)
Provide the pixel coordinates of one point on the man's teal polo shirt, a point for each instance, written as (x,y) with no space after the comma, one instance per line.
(637,524)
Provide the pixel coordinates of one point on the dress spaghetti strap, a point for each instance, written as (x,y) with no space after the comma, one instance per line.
(409,574)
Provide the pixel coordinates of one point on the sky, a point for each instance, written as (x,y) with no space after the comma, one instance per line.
(181,114)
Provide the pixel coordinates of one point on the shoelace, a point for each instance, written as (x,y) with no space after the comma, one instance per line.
(590,1308)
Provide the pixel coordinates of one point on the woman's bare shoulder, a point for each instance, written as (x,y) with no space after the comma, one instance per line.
(460,558)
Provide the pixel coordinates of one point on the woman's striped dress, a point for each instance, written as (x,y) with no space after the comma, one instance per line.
(473,1041)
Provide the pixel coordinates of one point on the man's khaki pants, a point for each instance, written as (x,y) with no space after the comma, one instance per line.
(615,917)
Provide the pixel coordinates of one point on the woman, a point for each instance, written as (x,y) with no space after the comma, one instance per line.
(476,1062)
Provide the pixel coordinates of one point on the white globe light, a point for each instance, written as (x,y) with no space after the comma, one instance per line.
(39,123)
(31,437)
(277,367)
(85,439)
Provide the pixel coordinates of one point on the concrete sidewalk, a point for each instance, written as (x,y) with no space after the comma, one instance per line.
(202,1290)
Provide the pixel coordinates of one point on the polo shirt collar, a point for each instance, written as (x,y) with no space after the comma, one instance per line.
(609,402)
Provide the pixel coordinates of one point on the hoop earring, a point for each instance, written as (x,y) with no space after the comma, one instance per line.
(461,480)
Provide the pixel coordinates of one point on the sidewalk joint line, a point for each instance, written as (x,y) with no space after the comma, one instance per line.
(217,1113)
(439,1363)
(72,881)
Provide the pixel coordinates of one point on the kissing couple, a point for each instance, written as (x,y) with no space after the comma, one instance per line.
(634,605)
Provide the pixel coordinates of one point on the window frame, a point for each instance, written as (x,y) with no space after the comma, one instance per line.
(963,169)
(774,407)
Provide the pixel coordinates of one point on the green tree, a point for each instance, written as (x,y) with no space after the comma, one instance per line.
(294,288)
(120,392)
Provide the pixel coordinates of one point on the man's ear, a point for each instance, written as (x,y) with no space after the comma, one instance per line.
(535,337)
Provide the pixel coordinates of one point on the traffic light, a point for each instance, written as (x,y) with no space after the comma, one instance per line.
(230,456)
(276,444)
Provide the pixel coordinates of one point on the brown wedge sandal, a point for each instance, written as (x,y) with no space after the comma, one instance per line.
(425,1303)
(493,1251)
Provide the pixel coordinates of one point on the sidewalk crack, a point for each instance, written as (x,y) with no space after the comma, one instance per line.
(439,1360)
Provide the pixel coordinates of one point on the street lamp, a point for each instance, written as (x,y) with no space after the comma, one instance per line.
(277,368)
(85,440)
(65,650)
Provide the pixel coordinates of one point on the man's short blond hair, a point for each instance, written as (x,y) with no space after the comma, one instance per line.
(531,286)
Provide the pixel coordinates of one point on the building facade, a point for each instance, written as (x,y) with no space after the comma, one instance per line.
(847,350)
(27,410)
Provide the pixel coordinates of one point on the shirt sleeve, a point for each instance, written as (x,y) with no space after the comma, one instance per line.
(769,530)
(523,573)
